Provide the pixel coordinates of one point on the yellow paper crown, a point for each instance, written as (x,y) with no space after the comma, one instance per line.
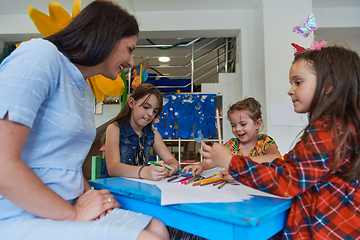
(59,18)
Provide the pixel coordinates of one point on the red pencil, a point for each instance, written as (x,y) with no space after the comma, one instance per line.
(182,181)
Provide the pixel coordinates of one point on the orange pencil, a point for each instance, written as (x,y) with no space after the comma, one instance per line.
(197,183)
(210,182)
(211,179)
(206,180)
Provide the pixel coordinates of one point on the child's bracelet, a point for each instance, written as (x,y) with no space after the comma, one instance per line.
(140,171)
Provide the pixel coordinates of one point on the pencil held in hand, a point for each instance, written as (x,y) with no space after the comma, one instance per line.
(218,125)
(159,165)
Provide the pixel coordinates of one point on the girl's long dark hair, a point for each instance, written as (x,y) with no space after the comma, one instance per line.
(140,91)
(337,96)
(91,36)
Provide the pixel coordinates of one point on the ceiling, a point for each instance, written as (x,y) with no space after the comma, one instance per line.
(20,6)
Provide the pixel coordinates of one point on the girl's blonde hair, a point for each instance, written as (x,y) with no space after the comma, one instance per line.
(250,104)
(337,97)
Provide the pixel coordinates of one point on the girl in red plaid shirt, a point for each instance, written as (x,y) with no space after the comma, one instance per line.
(322,171)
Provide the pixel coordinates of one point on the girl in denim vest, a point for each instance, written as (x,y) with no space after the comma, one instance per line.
(130,136)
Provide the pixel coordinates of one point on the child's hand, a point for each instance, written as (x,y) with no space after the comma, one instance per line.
(156,173)
(226,176)
(173,170)
(195,169)
(219,154)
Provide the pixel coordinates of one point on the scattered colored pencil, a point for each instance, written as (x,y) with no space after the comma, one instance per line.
(206,181)
(214,175)
(191,180)
(222,185)
(173,178)
(182,181)
(217,183)
(198,180)
(211,182)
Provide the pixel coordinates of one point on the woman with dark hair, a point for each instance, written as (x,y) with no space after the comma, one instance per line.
(47,128)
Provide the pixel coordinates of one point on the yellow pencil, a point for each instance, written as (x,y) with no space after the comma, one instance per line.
(214,181)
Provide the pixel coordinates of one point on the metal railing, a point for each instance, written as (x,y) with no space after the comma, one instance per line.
(219,56)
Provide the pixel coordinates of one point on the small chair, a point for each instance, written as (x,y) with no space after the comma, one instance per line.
(96,163)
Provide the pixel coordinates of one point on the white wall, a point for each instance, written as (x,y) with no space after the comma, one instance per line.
(228,87)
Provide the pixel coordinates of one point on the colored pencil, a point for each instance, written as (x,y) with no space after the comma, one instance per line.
(173,178)
(206,180)
(211,182)
(198,180)
(217,183)
(218,125)
(214,175)
(211,179)
(191,180)
(159,165)
(222,185)
(182,181)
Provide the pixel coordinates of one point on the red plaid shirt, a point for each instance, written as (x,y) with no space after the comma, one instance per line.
(324,206)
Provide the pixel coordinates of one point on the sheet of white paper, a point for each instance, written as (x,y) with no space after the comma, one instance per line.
(175,193)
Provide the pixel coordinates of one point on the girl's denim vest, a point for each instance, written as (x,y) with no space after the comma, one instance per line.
(128,143)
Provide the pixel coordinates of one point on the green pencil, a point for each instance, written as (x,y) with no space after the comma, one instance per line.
(157,164)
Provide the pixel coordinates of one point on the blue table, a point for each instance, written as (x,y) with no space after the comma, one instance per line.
(257,218)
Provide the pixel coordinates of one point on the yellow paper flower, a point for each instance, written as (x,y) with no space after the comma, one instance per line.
(59,18)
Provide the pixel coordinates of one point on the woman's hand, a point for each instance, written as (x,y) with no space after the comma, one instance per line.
(226,176)
(95,204)
(194,169)
(216,154)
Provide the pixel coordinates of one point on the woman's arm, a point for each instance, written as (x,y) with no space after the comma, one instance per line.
(271,153)
(164,153)
(86,184)
(21,186)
